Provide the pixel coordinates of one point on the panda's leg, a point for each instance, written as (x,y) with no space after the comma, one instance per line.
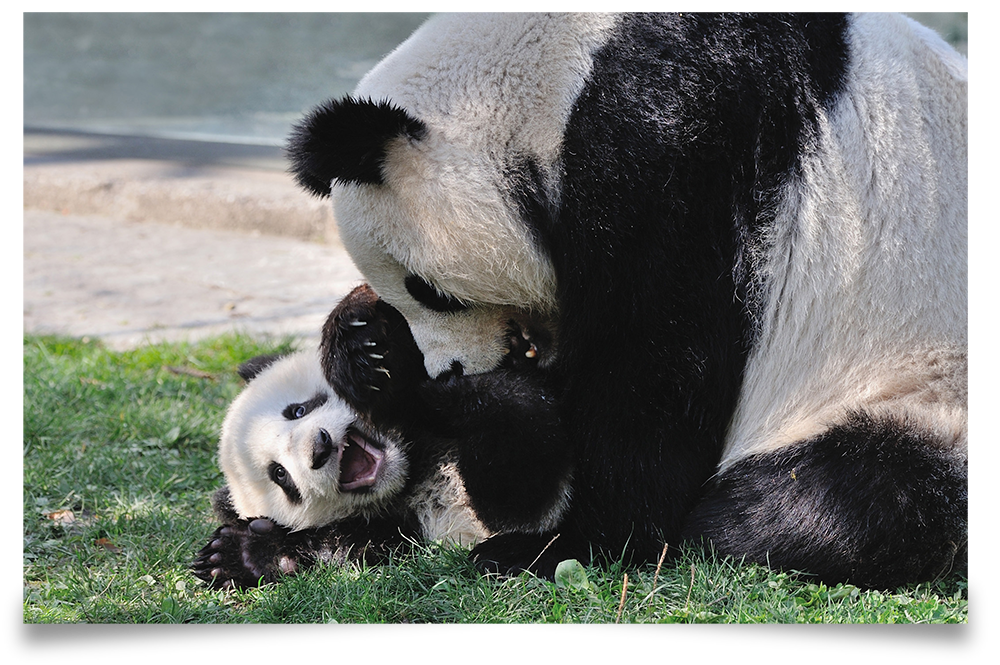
(872,502)
(512,450)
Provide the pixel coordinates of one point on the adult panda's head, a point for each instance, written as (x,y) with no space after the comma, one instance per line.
(439,166)
(293,451)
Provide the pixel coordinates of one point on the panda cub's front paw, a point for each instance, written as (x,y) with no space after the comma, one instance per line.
(353,349)
(247,553)
(368,354)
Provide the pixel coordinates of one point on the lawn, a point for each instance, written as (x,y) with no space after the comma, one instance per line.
(119,466)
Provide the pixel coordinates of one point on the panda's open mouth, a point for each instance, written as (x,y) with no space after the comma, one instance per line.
(360,462)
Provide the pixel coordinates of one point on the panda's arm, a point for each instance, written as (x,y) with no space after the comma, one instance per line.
(370,359)
(244,553)
(512,450)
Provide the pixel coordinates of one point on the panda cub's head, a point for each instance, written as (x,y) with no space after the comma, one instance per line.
(293,451)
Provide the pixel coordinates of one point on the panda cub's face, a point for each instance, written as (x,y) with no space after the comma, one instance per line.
(293,451)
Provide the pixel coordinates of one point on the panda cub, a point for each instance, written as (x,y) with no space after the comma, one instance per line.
(346,452)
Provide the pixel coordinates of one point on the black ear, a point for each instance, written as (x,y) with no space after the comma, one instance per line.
(345,139)
(251,368)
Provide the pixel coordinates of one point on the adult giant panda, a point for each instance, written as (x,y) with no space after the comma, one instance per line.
(745,236)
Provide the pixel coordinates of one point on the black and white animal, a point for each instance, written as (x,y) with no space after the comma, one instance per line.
(344,452)
(746,238)
(310,478)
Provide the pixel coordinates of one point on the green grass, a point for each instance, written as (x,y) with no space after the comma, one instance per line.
(119,467)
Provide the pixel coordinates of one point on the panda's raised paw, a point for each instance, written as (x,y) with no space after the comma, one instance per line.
(354,346)
(368,354)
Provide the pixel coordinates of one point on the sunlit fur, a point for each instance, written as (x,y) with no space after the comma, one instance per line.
(866,282)
(447,212)
(750,250)
(255,434)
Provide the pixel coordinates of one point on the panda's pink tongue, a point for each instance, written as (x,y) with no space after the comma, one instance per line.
(359,464)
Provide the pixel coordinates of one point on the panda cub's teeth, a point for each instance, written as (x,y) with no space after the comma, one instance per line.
(359,464)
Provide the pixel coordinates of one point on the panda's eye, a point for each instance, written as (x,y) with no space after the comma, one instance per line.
(279,476)
(300,409)
(295,411)
(428,296)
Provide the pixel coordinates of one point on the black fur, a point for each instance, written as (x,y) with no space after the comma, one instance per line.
(511,447)
(345,140)
(430,297)
(301,409)
(875,502)
(251,368)
(503,426)
(279,476)
(683,135)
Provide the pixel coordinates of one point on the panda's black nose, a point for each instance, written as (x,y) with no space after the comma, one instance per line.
(322,448)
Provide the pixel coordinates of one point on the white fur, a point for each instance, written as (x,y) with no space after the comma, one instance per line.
(875,236)
(444,214)
(443,508)
(255,434)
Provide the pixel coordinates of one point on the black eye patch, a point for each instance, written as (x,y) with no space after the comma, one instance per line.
(297,410)
(428,296)
(279,476)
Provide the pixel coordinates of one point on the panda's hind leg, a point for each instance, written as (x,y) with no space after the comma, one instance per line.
(874,502)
